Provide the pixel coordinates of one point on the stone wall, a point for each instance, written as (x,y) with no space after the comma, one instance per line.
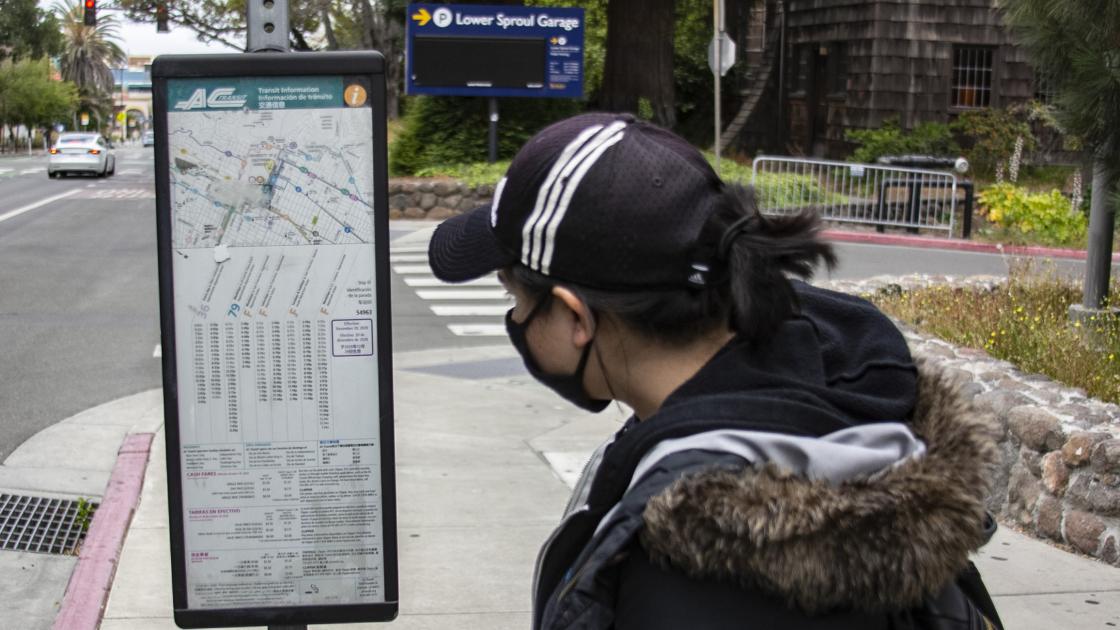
(434,198)
(1060,474)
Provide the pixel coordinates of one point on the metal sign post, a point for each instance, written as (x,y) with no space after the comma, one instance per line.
(721,56)
(267,25)
(272,227)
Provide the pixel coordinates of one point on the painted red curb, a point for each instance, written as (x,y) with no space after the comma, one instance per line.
(926,242)
(88,590)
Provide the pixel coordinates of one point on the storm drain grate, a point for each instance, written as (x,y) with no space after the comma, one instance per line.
(42,525)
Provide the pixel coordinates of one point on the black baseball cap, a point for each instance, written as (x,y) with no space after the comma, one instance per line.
(600,200)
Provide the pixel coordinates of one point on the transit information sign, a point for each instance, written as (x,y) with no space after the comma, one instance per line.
(273,230)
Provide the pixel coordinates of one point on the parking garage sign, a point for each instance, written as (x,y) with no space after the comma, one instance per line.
(484,50)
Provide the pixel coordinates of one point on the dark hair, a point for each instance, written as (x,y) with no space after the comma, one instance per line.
(749,256)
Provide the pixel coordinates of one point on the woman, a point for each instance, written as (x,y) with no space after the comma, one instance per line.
(787,464)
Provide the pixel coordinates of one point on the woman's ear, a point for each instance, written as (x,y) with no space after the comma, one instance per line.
(581,318)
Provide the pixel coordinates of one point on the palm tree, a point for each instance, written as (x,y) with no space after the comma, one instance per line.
(1074,44)
(88,55)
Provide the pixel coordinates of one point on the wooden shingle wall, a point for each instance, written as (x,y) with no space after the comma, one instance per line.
(899,60)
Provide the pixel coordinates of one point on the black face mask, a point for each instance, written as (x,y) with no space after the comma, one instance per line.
(569,386)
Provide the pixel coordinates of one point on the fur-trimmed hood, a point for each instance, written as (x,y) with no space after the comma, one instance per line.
(874,543)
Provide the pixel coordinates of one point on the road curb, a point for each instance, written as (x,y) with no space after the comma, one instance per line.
(925,242)
(90,583)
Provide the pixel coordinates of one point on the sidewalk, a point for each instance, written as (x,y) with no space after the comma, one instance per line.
(483,457)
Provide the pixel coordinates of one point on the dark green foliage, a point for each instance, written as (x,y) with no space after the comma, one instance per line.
(27,31)
(990,135)
(453,130)
(930,138)
(1075,46)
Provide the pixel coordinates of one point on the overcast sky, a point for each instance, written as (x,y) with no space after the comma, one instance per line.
(142,39)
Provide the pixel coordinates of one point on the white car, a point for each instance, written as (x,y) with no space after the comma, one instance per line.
(81,153)
(148,139)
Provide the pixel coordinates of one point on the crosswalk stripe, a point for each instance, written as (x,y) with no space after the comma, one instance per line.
(409,261)
(462,294)
(403,269)
(467,310)
(28,171)
(478,330)
(486,281)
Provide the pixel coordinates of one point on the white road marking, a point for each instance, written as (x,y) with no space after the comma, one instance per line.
(469,310)
(158,352)
(410,262)
(487,281)
(404,269)
(478,330)
(462,294)
(37,204)
(28,171)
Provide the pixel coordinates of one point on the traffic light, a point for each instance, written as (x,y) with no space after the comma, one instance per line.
(89,17)
(161,18)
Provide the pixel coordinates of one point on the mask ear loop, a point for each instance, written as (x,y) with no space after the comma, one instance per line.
(599,360)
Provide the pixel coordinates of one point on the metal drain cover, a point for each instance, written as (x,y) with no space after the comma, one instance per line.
(40,524)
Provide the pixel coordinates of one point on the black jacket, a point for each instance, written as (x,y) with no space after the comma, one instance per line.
(826,482)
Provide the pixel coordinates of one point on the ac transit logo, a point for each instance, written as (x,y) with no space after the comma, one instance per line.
(220,98)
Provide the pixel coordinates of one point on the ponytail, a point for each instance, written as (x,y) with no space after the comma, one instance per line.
(759,252)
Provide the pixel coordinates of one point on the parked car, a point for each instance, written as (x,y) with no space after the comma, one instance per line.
(148,139)
(81,153)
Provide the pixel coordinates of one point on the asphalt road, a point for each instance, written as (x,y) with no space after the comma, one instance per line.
(79,309)
(78,298)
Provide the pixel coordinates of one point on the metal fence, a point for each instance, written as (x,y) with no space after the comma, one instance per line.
(884,196)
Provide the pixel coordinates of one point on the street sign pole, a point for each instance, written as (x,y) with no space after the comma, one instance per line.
(267,22)
(493,130)
(717,24)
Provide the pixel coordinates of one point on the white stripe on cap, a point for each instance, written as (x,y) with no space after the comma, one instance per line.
(569,190)
(497,199)
(556,191)
(542,193)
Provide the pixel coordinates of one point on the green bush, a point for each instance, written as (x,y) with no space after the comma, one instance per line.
(786,190)
(1045,218)
(990,136)
(929,138)
(445,130)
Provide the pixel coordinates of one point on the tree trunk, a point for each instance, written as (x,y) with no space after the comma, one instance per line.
(328,28)
(366,11)
(639,61)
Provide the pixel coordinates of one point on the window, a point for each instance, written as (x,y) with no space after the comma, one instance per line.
(972,77)
(1044,88)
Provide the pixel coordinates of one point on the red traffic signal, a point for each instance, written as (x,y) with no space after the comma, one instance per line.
(89,17)
(161,18)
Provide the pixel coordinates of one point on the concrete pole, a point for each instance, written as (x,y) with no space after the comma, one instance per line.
(267,25)
(1102,217)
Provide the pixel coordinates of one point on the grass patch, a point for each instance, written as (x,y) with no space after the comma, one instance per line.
(472,174)
(1025,322)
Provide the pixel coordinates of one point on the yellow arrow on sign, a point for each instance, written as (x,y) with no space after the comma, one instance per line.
(422,16)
